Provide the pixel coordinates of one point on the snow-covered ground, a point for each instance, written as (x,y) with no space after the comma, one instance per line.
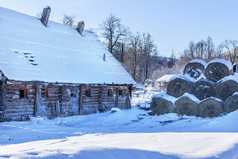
(123,134)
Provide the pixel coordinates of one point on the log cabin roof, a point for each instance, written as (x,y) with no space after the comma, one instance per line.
(29,51)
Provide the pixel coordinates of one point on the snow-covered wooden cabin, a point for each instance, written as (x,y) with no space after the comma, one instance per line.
(53,70)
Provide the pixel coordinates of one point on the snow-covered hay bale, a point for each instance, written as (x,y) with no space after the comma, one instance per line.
(161,105)
(178,86)
(217,69)
(231,103)
(211,107)
(203,89)
(226,88)
(186,106)
(195,68)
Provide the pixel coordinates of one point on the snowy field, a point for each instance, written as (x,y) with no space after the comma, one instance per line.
(126,134)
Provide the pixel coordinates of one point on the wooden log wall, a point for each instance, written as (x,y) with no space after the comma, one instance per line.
(70,101)
(122,96)
(3,93)
(17,107)
(49,99)
(101,98)
(52,100)
(90,103)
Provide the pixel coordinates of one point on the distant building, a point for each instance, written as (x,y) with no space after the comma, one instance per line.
(52,70)
(162,82)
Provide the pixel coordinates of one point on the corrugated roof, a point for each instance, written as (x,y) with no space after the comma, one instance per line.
(30,51)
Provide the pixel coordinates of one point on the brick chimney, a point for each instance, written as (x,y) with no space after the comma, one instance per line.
(45,16)
(80,27)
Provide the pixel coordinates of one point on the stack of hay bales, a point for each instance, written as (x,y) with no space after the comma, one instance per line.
(205,90)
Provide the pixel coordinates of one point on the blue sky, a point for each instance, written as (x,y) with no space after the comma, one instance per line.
(172,23)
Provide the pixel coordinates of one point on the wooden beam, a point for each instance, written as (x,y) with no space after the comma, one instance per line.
(36,99)
(3,96)
(101,98)
(61,99)
(117,94)
(80,97)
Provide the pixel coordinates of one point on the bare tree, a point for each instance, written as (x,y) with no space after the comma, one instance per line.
(210,48)
(143,56)
(172,59)
(149,50)
(134,50)
(121,49)
(201,48)
(68,19)
(219,51)
(113,30)
(231,47)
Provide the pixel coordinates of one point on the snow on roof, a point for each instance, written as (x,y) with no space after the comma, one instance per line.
(29,51)
(165,78)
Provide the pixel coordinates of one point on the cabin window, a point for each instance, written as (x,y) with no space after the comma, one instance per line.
(88,93)
(44,91)
(73,92)
(22,94)
(109,92)
(120,92)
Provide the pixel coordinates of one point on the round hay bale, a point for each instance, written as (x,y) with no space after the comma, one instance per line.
(218,69)
(226,88)
(195,68)
(231,103)
(186,106)
(160,106)
(203,89)
(211,107)
(178,86)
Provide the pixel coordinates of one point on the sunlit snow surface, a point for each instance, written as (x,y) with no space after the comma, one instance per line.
(123,134)
(29,51)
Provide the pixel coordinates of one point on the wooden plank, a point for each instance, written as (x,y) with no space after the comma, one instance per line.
(36,100)
(3,97)
(18,115)
(80,97)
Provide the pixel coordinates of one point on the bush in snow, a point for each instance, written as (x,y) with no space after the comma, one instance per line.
(186,106)
(211,107)
(195,68)
(160,106)
(226,88)
(218,69)
(203,89)
(178,86)
(231,103)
